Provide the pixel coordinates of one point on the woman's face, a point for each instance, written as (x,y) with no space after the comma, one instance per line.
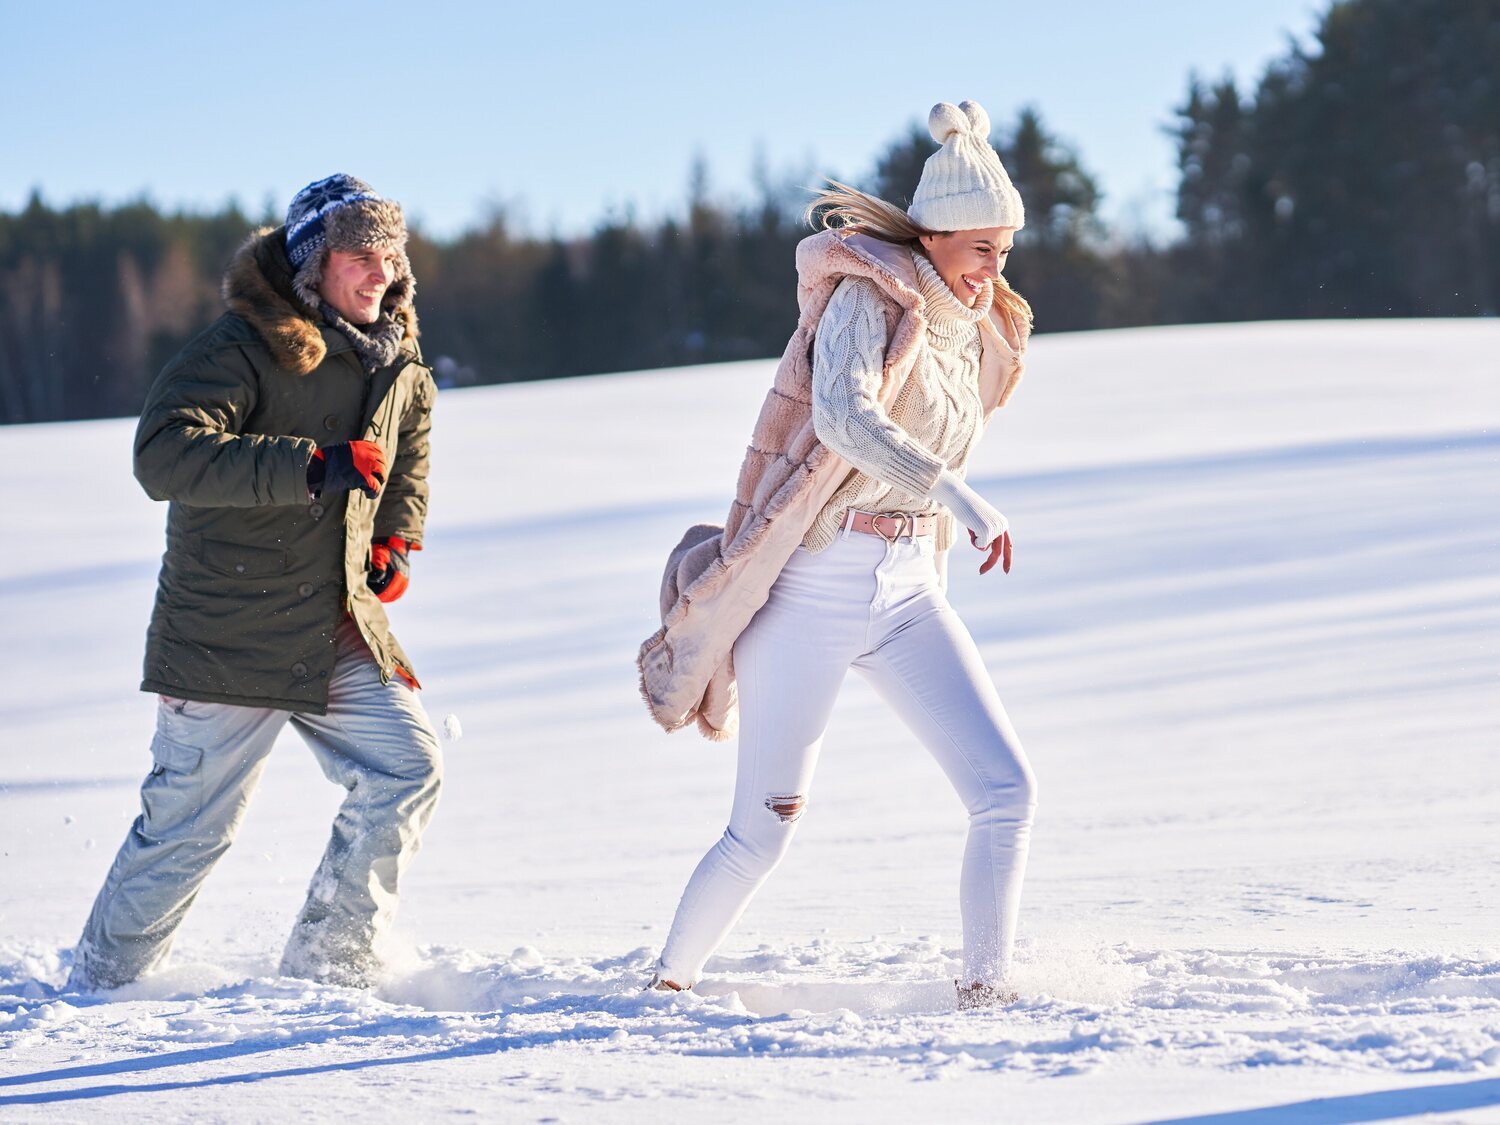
(967,259)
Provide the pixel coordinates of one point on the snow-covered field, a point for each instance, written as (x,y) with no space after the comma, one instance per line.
(1251,642)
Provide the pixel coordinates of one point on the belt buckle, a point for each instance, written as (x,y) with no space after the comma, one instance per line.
(906,526)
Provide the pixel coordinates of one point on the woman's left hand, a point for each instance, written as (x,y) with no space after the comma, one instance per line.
(999,551)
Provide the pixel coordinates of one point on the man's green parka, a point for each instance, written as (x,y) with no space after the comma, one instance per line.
(257,574)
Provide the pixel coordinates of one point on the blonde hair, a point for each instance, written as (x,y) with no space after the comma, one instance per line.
(841,207)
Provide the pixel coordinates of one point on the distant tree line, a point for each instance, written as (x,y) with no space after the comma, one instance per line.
(1361,177)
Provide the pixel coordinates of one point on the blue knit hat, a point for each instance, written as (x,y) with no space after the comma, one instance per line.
(308,213)
(341,212)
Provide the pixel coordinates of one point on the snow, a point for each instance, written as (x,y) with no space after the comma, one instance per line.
(453,730)
(1251,642)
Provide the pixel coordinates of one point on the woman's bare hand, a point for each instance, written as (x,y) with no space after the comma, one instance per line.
(999,551)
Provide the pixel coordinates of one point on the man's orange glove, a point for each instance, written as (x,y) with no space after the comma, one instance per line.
(348,465)
(390,569)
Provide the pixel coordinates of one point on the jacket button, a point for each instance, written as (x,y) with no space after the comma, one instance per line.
(306,589)
(316,511)
(239,568)
(299,669)
(331,422)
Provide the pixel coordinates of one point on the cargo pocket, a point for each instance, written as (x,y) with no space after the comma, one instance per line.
(173,795)
(242,560)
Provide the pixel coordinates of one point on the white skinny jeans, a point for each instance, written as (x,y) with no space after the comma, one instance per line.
(877,607)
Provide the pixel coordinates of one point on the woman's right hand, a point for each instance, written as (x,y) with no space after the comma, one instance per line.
(1000,551)
(986,525)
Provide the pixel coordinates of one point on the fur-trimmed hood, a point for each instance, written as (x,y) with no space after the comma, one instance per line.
(258,287)
(717,578)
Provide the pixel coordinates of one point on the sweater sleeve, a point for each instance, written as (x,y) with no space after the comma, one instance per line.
(848,362)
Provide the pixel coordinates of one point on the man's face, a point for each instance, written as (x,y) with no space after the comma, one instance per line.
(355,281)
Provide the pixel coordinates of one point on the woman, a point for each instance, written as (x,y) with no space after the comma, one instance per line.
(834,555)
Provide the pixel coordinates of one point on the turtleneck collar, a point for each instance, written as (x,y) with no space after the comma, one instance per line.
(945,312)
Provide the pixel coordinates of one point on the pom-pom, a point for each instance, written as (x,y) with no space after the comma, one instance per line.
(945,120)
(979,121)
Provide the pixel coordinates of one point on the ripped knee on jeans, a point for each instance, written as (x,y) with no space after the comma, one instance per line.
(788,808)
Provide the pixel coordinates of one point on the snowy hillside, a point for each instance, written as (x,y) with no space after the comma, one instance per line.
(1251,643)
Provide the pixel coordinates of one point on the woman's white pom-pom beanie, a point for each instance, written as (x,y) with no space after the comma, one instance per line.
(964,186)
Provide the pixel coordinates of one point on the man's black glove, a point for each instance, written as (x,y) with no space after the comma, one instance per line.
(346,466)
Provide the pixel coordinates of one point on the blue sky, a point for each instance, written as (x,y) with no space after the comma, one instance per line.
(562,112)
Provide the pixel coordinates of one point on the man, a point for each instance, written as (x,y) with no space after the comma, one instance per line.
(291,439)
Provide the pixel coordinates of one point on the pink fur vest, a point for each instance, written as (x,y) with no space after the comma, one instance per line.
(718,577)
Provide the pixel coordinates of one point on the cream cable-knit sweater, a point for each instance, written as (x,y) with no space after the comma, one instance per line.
(932,425)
